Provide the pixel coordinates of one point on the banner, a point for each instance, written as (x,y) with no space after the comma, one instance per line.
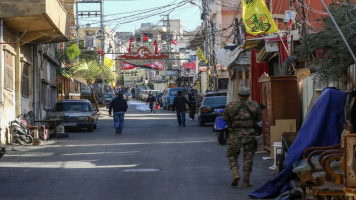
(128,66)
(155,66)
(201,56)
(257,18)
(73,51)
(189,68)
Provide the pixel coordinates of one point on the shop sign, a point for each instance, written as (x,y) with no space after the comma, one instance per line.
(244,58)
(143,53)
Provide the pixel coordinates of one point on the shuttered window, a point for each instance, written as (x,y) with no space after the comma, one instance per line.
(25,85)
(9,71)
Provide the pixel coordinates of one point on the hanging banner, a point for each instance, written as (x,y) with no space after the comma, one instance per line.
(257,18)
(143,53)
(155,66)
(189,68)
(128,66)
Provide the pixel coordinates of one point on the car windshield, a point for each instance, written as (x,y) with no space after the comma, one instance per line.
(215,101)
(72,106)
(155,92)
(109,96)
(174,92)
(216,94)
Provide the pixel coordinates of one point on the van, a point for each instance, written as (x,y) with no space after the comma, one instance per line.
(170,93)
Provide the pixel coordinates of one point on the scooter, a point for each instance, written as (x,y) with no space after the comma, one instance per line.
(20,131)
(221,127)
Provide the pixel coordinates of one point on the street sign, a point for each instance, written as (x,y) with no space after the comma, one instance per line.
(143,53)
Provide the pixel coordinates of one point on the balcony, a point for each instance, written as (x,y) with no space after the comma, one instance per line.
(42,21)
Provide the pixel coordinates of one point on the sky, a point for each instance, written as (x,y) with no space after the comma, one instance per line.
(115,10)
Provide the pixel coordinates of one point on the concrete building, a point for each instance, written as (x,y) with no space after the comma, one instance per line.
(28,58)
(95,33)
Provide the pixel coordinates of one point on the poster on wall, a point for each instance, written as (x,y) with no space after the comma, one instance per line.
(189,68)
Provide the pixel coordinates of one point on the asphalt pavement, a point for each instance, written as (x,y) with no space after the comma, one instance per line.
(154,159)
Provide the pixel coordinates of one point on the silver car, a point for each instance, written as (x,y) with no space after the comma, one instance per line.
(76,114)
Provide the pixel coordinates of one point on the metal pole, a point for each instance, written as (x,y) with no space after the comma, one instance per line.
(338,29)
(102,48)
(77,25)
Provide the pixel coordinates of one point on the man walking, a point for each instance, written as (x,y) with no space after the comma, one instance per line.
(193,105)
(133,92)
(151,99)
(179,104)
(119,105)
(241,116)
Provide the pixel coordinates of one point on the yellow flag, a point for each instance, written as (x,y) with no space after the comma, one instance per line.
(257,18)
(73,51)
(200,55)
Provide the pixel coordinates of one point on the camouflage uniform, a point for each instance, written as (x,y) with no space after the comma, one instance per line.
(240,116)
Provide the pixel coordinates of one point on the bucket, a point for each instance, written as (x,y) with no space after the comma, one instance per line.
(157,107)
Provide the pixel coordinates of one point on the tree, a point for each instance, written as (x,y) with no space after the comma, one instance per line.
(330,55)
(92,71)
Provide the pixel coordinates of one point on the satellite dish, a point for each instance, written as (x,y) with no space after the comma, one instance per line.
(302,74)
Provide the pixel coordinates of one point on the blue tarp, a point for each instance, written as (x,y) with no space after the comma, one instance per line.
(322,127)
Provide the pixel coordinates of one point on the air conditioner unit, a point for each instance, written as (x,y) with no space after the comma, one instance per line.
(89,42)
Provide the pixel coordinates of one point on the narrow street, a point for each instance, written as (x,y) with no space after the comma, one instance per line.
(154,159)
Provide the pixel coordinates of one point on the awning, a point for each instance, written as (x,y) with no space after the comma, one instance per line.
(258,42)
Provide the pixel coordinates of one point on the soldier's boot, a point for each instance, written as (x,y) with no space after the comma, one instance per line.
(246,180)
(235,176)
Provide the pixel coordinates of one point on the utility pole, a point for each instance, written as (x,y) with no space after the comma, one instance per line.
(102,35)
(169,38)
(77,24)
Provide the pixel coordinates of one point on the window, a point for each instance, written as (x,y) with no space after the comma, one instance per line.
(215,101)
(25,84)
(73,106)
(9,71)
(174,92)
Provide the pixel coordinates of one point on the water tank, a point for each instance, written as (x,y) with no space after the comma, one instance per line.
(146,24)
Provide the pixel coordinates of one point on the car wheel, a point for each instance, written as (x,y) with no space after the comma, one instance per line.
(90,128)
(94,127)
(201,123)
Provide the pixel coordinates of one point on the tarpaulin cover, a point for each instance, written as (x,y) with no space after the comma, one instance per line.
(322,127)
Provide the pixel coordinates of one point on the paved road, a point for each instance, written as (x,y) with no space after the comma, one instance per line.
(154,159)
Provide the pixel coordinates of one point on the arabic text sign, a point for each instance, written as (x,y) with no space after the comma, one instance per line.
(143,53)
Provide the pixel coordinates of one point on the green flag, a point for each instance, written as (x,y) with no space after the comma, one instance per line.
(73,51)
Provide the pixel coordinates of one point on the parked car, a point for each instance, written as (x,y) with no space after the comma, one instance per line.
(139,89)
(108,99)
(76,114)
(206,111)
(170,93)
(142,94)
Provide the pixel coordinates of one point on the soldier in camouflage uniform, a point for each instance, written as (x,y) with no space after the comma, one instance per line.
(241,115)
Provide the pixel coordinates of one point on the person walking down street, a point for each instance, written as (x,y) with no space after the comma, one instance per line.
(133,92)
(119,106)
(193,105)
(241,115)
(151,99)
(179,105)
